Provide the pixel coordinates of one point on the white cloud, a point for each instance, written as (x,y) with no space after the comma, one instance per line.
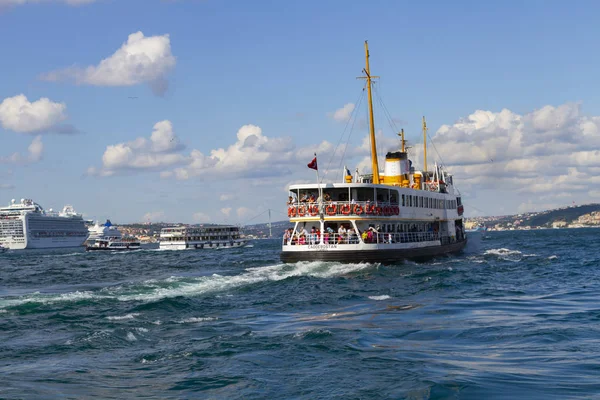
(201,217)
(548,152)
(139,60)
(342,114)
(244,212)
(226,211)
(160,151)
(20,115)
(153,216)
(34,154)
(227,197)
(6,186)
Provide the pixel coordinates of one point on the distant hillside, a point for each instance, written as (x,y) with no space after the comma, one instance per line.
(568,215)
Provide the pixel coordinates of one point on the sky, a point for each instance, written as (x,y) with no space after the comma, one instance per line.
(205,111)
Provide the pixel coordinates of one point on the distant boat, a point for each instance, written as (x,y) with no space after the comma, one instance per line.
(26,225)
(479,228)
(207,237)
(108,237)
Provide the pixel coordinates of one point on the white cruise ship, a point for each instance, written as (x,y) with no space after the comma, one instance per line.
(26,225)
(206,237)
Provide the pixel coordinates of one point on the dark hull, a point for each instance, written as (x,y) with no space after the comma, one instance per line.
(373,256)
(111,249)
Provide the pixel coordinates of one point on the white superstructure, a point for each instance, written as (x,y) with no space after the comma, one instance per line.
(207,237)
(107,229)
(26,225)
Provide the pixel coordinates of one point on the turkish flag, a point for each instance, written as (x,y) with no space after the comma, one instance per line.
(313,164)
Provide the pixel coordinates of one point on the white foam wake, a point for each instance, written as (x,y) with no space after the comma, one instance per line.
(175,286)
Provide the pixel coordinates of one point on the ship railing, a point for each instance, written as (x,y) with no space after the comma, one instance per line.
(353,238)
(343,208)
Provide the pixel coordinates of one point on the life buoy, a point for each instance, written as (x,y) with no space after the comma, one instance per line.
(378,210)
(291,211)
(345,209)
(313,210)
(369,209)
(433,187)
(358,209)
(301,211)
(331,209)
(386,210)
(397,210)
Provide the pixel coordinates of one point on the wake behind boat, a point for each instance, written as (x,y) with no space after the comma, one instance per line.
(400,213)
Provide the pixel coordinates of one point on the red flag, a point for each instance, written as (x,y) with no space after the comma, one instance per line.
(313,164)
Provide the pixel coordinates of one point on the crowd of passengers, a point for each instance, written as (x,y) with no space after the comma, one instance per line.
(343,197)
(347,235)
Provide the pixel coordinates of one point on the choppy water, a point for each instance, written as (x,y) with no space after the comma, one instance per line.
(516,316)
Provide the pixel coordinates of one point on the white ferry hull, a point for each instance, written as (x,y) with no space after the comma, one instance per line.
(371,253)
(201,245)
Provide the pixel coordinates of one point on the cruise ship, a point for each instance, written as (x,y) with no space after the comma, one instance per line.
(26,225)
(204,237)
(402,212)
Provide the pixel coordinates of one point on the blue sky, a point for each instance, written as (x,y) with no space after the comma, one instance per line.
(277,71)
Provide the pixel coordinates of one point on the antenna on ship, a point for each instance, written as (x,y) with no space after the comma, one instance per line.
(424,145)
(368,77)
(269,224)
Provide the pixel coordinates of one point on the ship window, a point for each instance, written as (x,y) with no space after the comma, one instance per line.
(421,201)
(403,205)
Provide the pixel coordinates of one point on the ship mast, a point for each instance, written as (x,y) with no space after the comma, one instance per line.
(368,77)
(424,145)
(401,134)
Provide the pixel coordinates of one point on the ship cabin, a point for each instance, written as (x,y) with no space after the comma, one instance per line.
(363,212)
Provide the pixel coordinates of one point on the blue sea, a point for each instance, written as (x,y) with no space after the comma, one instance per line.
(516,316)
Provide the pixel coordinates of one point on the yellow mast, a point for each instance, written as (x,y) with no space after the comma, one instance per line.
(367,71)
(424,145)
(402,140)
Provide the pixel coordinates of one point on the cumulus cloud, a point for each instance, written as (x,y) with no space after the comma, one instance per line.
(342,114)
(18,114)
(548,151)
(140,59)
(34,154)
(226,211)
(159,151)
(201,217)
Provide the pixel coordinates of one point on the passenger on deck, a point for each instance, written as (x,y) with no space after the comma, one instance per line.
(327,197)
(290,201)
(304,198)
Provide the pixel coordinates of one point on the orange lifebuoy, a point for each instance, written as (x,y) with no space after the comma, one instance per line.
(291,211)
(301,211)
(313,210)
(358,209)
(345,209)
(331,209)
(369,209)
(397,210)
(378,210)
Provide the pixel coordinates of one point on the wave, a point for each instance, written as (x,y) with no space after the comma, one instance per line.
(382,297)
(176,286)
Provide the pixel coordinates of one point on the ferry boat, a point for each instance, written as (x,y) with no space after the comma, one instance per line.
(98,231)
(203,237)
(108,237)
(114,244)
(387,216)
(26,225)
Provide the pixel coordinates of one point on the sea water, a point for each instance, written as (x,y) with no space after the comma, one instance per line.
(516,315)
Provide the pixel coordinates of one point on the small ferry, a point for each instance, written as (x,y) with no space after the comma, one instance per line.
(115,244)
(108,237)
(203,237)
(399,213)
